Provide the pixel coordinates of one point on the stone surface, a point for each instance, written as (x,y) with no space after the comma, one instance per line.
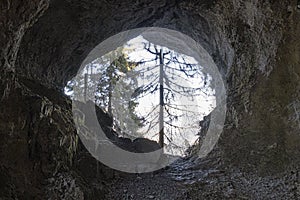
(255,45)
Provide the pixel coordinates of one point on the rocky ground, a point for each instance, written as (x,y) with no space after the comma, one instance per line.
(146,186)
(186,180)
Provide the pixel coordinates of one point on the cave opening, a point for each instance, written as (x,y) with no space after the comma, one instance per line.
(156,85)
(74,46)
(252,45)
(125,84)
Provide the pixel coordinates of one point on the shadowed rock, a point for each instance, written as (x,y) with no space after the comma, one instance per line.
(144,145)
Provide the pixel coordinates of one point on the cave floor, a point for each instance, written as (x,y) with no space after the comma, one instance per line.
(189,180)
(147,186)
(177,181)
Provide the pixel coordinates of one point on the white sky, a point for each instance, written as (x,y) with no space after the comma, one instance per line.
(203,104)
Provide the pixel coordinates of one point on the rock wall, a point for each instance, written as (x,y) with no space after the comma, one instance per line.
(257,51)
(15,19)
(254,43)
(263,84)
(38,138)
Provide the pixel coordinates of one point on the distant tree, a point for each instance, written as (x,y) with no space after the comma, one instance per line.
(105,75)
(112,68)
(123,83)
(170,77)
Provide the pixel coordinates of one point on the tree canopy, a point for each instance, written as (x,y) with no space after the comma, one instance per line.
(151,91)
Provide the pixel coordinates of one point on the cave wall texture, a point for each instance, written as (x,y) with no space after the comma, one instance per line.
(43,42)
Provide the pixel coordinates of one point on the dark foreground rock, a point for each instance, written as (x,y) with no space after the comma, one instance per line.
(255,45)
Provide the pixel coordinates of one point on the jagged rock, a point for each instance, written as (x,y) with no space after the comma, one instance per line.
(255,45)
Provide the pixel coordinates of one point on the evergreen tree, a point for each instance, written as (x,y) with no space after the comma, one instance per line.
(124,84)
(105,76)
(169,74)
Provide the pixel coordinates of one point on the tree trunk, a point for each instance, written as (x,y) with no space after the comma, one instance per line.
(161,100)
(85,86)
(110,88)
